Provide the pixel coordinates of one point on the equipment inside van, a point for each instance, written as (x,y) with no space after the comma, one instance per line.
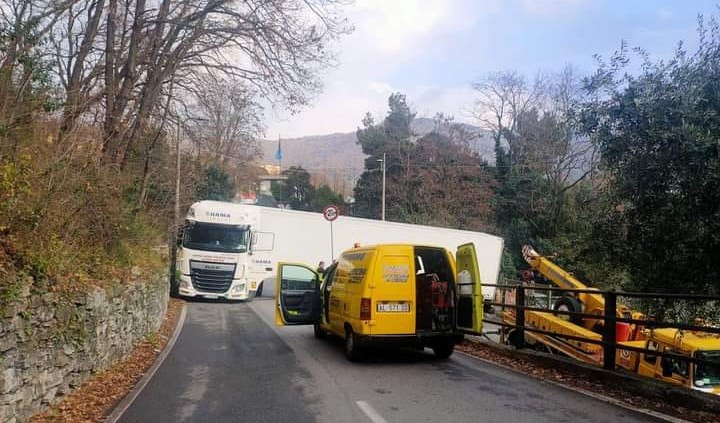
(406,295)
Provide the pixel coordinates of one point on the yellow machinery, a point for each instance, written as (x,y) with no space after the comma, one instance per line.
(703,377)
(588,303)
(584,302)
(699,345)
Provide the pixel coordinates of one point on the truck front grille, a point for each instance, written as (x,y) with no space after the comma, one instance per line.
(211,277)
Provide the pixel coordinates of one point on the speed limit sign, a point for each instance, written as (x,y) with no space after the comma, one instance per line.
(331,213)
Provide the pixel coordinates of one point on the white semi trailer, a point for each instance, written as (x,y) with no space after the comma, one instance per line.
(230,250)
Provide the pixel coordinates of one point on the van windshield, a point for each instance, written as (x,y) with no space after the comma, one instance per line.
(213,237)
(708,374)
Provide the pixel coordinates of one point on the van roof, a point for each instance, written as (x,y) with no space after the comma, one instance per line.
(688,340)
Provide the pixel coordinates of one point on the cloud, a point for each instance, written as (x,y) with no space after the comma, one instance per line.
(377,59)
(553,8)
(380,88)
(431,50)
(664,15)
(390,25)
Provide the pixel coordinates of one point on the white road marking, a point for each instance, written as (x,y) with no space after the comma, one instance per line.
(370,412)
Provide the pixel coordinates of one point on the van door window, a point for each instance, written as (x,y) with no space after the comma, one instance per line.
(299,294)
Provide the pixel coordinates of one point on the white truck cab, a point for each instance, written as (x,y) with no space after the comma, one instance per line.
(220,253)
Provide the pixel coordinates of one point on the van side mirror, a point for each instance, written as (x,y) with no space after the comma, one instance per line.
(667,367)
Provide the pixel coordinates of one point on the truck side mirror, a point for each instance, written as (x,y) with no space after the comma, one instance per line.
(179,237)
(262,241)
(667,367)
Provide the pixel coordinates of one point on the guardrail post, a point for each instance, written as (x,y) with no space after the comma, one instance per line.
(520,317)
(609,332)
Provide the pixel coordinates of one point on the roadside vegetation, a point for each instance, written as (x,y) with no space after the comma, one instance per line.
(615,174)
(98,98)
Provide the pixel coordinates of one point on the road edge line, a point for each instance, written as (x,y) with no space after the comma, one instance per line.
(127,401)
(370,412)
(599,397)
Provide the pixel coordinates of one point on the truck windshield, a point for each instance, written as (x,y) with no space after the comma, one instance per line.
(708,374)
(211,237)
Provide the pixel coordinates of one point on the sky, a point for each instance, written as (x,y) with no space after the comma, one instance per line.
(432,50)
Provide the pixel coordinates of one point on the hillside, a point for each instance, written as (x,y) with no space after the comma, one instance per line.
(339,156)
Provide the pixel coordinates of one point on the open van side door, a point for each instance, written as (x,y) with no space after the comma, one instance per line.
(297,295)
(469,290)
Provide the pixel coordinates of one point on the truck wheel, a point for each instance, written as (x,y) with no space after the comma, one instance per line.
(318,331)
(352,349)
(258,293)
(570,304)
(443,349)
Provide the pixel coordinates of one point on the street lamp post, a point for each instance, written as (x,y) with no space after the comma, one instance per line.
(383,185)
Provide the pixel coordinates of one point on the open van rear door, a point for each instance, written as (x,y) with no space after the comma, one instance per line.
(469,290)
(297,295)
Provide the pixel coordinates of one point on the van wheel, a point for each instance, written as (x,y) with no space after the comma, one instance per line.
(352,349)
(443,349)
(318,331)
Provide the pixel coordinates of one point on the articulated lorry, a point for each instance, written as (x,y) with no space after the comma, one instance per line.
(231,251)
(701,345)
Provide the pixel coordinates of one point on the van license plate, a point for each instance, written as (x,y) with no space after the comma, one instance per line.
(393,307)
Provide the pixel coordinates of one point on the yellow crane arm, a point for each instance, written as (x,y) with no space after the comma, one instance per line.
(550,270)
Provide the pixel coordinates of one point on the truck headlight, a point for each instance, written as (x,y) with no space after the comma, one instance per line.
(239,287)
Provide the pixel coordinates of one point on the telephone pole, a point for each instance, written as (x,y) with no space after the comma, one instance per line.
(383,184)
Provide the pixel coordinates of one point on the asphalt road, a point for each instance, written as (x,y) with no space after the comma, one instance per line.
(230,364)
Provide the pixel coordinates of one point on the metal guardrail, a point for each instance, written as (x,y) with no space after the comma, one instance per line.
(609,319)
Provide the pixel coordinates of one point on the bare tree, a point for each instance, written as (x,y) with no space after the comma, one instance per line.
(78,61)
(224,122)
(24,25)
(277,46)
(502,98)
(549,144)
(119,56)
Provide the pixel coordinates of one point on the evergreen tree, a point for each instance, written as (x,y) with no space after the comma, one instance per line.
(392,137)
(325,196)
(216,185)
(658,135)
(296,190)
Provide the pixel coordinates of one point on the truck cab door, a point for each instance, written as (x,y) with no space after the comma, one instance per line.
(297,295)
(469,290)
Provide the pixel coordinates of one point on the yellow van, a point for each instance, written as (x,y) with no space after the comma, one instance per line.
(701,345)
(407,295)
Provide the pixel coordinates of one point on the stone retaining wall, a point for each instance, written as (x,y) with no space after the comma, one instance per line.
(50,343)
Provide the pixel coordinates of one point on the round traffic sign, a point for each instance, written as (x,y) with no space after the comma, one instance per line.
(331,213)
